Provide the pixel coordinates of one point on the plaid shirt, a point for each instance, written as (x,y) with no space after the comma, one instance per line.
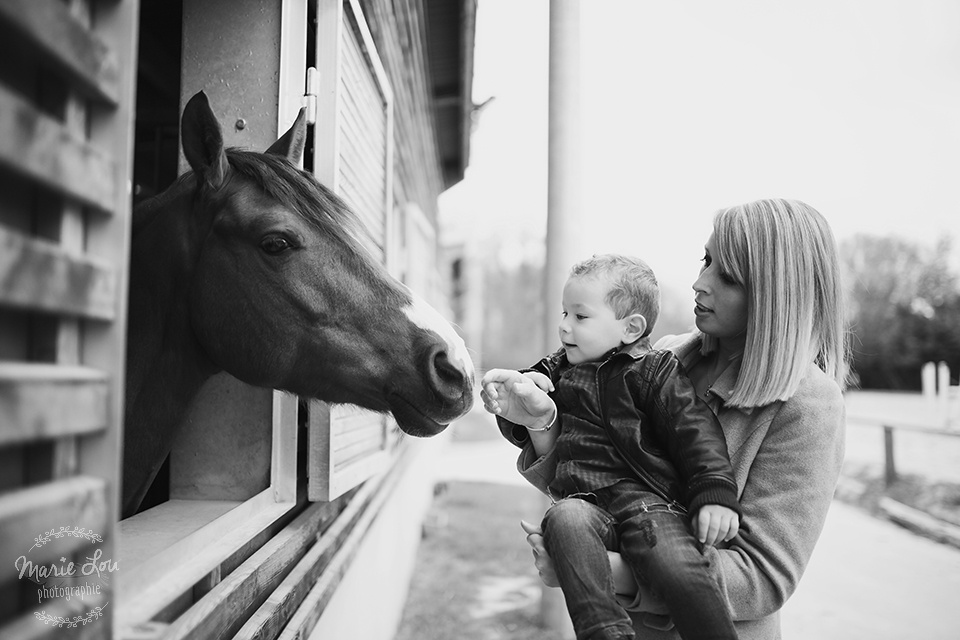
(588,460)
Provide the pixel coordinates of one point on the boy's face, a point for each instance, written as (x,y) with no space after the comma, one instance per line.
(589,328)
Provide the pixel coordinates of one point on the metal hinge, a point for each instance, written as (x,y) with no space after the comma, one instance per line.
(310,97)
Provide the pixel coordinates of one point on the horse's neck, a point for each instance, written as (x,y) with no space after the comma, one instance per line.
(165,364)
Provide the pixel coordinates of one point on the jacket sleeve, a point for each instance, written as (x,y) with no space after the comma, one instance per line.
(538,471)
(692,434)
(785,499)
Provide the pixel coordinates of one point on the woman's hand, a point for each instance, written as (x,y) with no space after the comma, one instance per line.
(517,397)
(540,557)
(623,581)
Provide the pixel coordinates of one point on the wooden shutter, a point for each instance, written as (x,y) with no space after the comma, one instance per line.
(66,121)
(353,156)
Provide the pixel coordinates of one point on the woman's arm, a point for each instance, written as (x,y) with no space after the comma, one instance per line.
(785,499)
(786,494)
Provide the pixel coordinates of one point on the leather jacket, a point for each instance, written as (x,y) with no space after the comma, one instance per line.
(668,436)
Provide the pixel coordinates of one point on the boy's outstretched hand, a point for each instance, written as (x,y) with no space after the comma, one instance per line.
(518,397)
(715,523)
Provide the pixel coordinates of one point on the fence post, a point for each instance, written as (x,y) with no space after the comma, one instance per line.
(928,383)
(890,469)
(943,390)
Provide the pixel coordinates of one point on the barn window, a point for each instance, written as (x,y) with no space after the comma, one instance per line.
(231,480)
(245,457)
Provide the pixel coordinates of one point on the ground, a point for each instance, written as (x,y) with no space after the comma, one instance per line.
(477,572)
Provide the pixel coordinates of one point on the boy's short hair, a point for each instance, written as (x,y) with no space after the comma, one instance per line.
(633,285)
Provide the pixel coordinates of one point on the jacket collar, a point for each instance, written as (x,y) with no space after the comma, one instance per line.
(634,349)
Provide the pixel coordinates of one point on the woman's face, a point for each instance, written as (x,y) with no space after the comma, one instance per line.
(721,308)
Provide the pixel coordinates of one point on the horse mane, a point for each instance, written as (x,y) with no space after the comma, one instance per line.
(302,193)
(297,191)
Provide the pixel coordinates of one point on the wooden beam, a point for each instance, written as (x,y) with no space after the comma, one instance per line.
(38,146)
(78,52)
(238,594)
(41,401)
(284,601)
(29,626)
(74,503)
(41,276)
(323,584)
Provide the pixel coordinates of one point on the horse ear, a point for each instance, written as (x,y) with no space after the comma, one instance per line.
(203,140)
(292,142)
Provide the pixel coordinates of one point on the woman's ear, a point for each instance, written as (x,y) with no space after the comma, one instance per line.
(634,328)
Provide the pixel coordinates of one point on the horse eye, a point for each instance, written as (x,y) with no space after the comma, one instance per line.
(275,244)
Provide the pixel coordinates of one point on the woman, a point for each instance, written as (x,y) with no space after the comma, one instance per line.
(770,360)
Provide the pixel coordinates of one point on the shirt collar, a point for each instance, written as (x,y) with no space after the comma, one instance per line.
(690,352)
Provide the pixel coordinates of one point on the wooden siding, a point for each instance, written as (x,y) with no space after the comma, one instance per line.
(399,31)
(65,151)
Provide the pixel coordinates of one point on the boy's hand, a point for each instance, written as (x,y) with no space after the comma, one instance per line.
(715,523)
(517,397)
(540,380)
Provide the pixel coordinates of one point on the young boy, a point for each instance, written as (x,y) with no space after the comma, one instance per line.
(635,448)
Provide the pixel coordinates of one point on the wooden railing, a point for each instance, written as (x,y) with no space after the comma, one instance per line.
(889,427)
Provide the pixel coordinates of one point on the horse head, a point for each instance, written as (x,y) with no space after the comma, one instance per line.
(249,265)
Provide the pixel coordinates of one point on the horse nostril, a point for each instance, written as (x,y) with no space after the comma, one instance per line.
(449,377)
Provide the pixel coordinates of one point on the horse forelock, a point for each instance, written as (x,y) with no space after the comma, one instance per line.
(317,205)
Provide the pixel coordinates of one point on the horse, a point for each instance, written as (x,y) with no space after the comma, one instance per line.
(249,265)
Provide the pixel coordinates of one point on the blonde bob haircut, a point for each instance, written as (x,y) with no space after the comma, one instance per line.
(784,255)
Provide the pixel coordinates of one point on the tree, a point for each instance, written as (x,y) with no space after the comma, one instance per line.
(904,309)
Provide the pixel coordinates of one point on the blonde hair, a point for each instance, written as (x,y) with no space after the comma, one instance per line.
(633,285)
(784,255)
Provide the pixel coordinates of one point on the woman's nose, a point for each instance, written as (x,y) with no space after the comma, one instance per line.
(700,284)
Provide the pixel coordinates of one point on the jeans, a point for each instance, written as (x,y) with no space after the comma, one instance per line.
(654,539)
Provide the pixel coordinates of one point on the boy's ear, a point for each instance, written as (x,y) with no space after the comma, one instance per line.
(635,327)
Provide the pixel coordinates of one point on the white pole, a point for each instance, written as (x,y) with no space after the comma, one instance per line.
(563,209)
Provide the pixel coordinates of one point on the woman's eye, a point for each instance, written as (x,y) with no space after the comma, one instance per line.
(727,278)
(275,244)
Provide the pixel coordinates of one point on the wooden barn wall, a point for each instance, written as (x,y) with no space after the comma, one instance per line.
(399,31)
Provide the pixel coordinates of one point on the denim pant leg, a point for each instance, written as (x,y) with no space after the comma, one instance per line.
(657,542)
(577,535)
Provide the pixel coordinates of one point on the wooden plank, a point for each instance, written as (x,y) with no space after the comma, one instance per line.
(326,161)
(238,595)
(39,401)
(285,600)
(302,623)
(39,275)
(94,609)
(920,521)
(40,147)
(283,465)
(154,583)
(919,426)
(73,49)
(347,456)
(73,503)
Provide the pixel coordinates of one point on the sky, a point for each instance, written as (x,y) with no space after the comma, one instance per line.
(851,106)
